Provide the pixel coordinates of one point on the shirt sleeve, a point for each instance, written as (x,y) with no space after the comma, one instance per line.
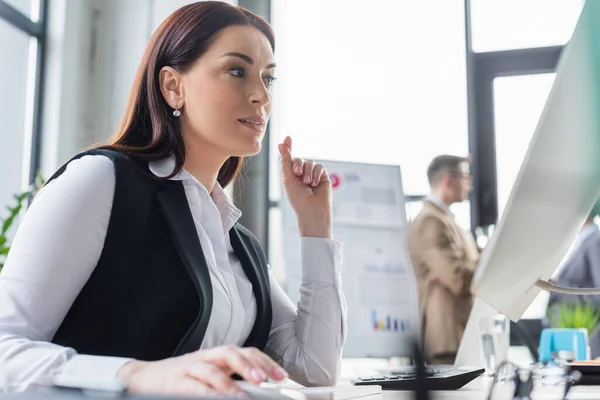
(55,250)
(307,340)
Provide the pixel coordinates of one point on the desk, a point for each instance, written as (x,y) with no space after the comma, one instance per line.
(476,390)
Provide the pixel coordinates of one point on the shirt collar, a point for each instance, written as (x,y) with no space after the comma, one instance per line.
(438,202)
(230,214)
(163,168)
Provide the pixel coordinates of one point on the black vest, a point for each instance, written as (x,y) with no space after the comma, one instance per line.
(150,295)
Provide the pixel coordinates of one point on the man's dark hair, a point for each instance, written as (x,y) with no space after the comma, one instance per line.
(442,164)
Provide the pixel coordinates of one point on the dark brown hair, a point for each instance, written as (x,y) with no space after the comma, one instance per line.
(149,131)
(442,164)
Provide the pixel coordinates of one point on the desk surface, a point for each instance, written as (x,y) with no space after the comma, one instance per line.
(351,368)
(476,390)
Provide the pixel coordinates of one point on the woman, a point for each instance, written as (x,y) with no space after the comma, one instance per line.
(130,263)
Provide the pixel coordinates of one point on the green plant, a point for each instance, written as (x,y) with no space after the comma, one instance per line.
(575,315)
(13,214)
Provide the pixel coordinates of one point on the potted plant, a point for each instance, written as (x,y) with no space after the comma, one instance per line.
(13,213)
(573,323)
(575,315)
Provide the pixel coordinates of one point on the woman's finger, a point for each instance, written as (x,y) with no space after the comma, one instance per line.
(318,172)
(287,165)
(273,370)
(298,166)
(231,357)
(212,376)
(287,142)
(309,165)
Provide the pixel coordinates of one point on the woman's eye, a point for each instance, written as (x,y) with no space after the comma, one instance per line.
(239,72)
(269,80)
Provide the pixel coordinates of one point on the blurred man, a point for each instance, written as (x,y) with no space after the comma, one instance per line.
(587,231)
(444,257)
(581,269)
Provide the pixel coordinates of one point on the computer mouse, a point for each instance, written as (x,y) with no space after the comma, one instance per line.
(272,392)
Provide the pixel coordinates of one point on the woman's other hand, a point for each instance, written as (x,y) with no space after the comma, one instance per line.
(203,372)
(308,188)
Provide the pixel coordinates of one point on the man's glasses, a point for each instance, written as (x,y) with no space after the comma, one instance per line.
(461,175)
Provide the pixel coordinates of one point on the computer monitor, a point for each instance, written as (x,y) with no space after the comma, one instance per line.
(557,184)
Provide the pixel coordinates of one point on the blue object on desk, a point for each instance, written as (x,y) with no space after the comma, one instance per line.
(572,340)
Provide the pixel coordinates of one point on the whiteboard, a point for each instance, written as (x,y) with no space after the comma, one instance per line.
(369,218)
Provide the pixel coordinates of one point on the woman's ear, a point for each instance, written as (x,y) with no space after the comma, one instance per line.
(171,87)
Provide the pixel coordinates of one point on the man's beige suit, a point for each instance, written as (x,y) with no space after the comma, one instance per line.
(444,257)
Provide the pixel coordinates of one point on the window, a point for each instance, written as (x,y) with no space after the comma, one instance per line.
(518,102)
(13,98)
(21,46)
(29,8)
(383,83)
(389,90)
(517,24)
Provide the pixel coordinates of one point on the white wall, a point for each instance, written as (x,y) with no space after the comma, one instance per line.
(95,47)
(67,67)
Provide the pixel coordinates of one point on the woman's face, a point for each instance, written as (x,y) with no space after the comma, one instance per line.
(226,95)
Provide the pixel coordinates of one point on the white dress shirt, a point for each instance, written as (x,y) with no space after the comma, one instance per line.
(59,243)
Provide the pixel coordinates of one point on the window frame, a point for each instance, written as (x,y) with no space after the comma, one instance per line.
(37,30)
(482,69)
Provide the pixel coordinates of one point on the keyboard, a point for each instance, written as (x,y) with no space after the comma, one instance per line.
(436,378)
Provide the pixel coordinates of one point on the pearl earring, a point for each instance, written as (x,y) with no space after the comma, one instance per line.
(176,112)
